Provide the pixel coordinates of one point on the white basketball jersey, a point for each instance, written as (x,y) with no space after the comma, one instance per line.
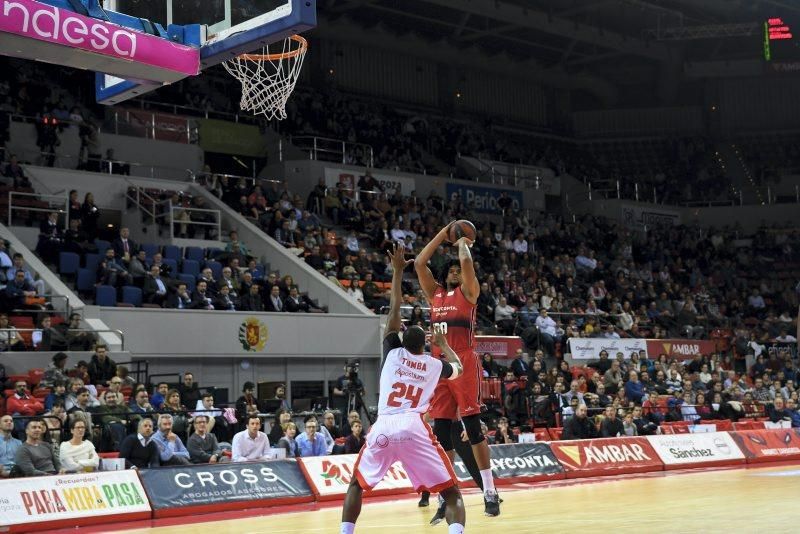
(408,382)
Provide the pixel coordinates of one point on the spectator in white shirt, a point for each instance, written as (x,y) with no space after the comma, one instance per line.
(504,316)
(520,244)
(756,300)
(785,337)
(354,292)
(586,261)
(251,444)
(351,243)
(78,455)
(547,332)
(397,233)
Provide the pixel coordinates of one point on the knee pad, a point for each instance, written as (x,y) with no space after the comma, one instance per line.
(442,429)
(473,425)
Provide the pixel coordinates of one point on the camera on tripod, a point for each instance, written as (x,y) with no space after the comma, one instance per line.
(351,383)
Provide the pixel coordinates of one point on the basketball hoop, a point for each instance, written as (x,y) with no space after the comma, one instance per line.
(268,78)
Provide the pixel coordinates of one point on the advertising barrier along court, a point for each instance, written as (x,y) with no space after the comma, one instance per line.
(769,445)
(529,462)
(216,487)
(73,500)
(610,456)
(329,477)
(704,449)
(589,348)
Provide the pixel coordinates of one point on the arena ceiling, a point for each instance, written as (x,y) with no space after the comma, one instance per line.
(590,37)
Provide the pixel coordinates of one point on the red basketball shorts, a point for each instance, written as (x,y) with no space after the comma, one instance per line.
(461,396)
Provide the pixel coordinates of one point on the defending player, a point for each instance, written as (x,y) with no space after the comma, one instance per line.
(408,380)
(453,314)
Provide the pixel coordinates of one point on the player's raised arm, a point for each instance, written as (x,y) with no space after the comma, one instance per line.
(469,281)
(399,263)
(452,358)
(426,280)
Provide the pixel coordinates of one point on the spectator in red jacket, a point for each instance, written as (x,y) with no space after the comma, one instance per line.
(21,403)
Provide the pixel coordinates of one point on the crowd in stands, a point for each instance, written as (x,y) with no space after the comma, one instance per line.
(95,408)
(634,395)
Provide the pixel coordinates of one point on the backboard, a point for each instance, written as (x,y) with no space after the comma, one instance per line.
(232,27)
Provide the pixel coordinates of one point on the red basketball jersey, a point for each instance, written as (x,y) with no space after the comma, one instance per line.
(454,315)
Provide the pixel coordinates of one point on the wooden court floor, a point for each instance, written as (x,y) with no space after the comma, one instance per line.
(740,500)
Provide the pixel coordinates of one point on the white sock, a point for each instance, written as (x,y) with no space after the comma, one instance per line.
(455,528)
(488,481)
(348,528)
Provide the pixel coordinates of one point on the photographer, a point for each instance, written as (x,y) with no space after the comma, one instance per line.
(346,385)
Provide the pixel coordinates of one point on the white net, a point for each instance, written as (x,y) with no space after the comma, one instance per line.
(268,78)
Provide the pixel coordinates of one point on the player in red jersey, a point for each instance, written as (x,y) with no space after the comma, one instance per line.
(453,314)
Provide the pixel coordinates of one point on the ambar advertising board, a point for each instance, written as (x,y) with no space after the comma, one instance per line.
(531,461)
(684,349)
(218,486)
(609,456)
(72,497)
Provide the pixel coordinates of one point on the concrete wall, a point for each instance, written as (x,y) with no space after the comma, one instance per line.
(297,347)
(749,218)
(170,160)
(303,177)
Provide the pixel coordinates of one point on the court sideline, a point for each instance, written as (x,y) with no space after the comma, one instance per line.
(743,500)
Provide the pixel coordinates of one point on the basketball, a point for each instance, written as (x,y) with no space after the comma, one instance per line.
(462,228)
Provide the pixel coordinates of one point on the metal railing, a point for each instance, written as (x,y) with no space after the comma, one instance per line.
(62,206)
(118,121)
(61,160)
(138,199)
(171,128)
(177,109)
(182,216)
(333,150)
(201,177)
(32,331)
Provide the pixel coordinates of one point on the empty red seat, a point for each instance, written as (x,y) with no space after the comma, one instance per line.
(490,391)
(35,376)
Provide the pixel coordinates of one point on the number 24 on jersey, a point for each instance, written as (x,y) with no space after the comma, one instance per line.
(407,391)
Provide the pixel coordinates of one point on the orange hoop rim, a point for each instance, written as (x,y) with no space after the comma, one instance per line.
(301,49)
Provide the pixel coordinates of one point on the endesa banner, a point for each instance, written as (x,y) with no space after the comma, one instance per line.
(222,486)
(52,25)
(583,348)
(610,456)
(768,445)
(329,476)
(684,349)
(712,448)
(74,498)
(510,463)
(503,348)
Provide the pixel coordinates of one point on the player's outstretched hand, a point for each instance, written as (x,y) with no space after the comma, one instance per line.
(466,240)
(440,340)
(397,256)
